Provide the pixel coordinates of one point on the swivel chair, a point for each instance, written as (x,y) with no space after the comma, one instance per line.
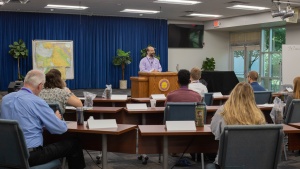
(14,153)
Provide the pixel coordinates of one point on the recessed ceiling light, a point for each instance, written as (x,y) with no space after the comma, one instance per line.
(140,11)
(179,2)
(1,3)
(66,7)
(247,7)
(204,15)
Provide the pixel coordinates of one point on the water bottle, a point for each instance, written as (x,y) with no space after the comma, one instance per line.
(199,115)
(79,116)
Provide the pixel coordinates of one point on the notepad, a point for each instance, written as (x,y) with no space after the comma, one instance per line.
(136,106)
(101,124)
(180,125)
(158,96)
(289,89)
(74,108)
(217,94)
(118,97)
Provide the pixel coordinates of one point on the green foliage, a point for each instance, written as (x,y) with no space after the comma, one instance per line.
(144,53)
(209,64)
(123,58)
(18,50)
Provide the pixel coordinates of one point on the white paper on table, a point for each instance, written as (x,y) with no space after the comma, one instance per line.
(180,125)
(102,123)
(136,106)
(81,98)
(74,108)
(158,96)
(289,89)
(217,94)
(118,97)
(265,105)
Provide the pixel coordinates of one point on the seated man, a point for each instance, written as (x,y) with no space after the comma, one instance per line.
(33,115)
(252,79)
(183,94)
(195,84)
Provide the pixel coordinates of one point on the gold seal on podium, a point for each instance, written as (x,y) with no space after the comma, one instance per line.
(164,85)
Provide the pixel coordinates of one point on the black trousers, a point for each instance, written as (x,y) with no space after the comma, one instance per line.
(69,148)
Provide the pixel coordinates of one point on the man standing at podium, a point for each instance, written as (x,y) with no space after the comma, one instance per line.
(150,63)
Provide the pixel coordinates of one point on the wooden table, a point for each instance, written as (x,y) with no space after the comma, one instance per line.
(159,103)
(154,115)
(154,138)
(97,113)
(293,132)
(212,109)
(121,139)
(99,101)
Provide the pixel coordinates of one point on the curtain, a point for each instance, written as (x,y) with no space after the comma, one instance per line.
(95,41)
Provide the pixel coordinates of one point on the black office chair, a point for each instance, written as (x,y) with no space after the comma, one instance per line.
(293,115)
(183,111)
(263,97)
(250,146)
(208,99)
(14,153)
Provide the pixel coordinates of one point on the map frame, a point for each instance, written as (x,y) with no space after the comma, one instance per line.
(67,72)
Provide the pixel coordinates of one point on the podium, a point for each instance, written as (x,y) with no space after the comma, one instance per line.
(153,83)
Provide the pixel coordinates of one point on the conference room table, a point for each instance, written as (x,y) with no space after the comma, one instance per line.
(155,139)
(99,101)
(265,108)
(151,115)
(121,139)
(96,112)
(159,102)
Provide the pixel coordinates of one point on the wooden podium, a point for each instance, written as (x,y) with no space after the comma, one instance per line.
(153,83)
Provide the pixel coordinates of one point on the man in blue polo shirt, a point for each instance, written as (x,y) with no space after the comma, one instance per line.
(33,115)
(252,79)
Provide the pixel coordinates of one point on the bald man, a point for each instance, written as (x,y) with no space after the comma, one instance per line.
(150,63)
(252,79)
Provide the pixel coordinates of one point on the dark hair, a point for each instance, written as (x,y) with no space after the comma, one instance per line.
(53,80)
(184,77)
(55,72)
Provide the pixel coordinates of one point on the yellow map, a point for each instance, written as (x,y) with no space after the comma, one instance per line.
(54,54)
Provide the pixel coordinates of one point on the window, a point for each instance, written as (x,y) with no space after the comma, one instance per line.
(271,50)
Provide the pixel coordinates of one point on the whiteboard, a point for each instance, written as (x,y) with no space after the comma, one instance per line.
(53,54)
(290,63)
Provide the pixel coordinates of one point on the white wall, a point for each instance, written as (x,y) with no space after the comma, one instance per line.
(292,34)
(216,45)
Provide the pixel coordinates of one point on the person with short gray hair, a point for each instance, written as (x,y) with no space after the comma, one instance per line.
(34,115)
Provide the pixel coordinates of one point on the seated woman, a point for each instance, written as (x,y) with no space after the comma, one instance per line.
(239,109)
(295,95)
(55,91)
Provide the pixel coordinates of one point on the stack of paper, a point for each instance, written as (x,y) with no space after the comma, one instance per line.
(158,96)
(137,106)
(101,124)
(217,94)
(118,97)
(180,125)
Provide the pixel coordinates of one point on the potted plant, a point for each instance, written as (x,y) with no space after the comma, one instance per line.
(122,59)
(144,53)
(209,64)
(18,50)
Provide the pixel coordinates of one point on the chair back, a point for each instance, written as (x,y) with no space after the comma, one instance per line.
(250,146)
(54,107)
(293,112)
(262,97)
(14,153)
(181,111)
(208,99)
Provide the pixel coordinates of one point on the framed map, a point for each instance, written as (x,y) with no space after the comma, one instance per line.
(53,54)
